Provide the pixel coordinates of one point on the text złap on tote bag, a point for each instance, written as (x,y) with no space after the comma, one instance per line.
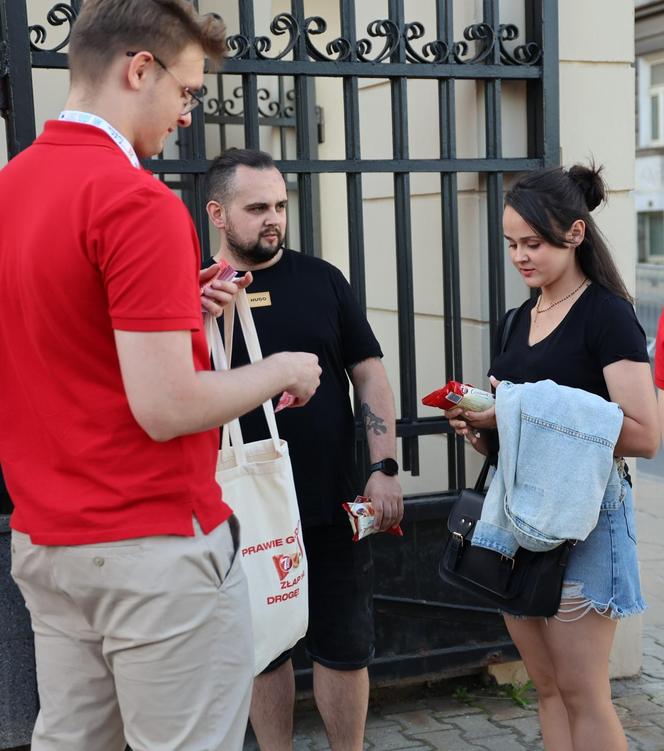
(257,483)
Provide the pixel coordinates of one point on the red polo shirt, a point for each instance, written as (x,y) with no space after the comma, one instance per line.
(89,244)
(659,354)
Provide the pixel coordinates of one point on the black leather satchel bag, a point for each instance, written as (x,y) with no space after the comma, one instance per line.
(528,584)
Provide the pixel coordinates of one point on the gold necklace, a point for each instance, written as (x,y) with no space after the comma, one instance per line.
(539,310)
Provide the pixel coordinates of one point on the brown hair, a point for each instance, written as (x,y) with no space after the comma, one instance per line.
(551,200)
(106,28)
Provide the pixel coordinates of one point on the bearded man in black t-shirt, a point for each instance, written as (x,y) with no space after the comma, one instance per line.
(305,303)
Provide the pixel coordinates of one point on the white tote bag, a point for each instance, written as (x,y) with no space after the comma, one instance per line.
(257,483)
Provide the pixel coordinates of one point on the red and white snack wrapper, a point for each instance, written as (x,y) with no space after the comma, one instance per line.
(455,394)
(285,400)
(361,515)
(225,273)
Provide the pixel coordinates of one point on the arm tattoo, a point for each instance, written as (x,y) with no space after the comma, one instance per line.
(373,422)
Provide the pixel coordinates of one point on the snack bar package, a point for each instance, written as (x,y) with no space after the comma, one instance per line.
(285,400)
(455,394)
(361,516)
(225,273)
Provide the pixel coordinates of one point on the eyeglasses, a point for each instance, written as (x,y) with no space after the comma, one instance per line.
(193,98)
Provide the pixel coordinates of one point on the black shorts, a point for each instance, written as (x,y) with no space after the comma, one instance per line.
(340,572)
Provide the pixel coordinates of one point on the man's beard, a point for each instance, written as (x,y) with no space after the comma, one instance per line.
(253,253)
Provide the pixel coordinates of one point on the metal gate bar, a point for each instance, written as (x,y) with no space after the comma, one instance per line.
(404,261)
(494,180)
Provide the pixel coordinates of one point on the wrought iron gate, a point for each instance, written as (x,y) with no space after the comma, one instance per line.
(392,48)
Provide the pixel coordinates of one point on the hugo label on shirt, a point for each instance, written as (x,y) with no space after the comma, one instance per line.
(259,299)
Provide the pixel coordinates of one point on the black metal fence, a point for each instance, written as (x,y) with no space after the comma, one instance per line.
(401,50)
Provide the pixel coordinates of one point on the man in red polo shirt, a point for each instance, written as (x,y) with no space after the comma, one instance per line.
(122,545)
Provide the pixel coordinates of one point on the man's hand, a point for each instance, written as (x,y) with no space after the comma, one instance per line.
(305,374)
(218,294)
(387,499)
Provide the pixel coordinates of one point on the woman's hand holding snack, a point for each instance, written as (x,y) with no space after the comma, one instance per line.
(473,425)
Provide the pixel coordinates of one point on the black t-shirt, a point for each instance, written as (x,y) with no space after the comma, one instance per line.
(312,309)
(599,329)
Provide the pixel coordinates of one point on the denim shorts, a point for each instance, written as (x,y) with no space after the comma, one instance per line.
(341,627)
(603,571)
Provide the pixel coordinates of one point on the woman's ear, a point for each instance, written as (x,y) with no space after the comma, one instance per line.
(577,232)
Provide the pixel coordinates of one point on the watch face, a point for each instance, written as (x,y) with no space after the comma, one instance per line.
(389,467)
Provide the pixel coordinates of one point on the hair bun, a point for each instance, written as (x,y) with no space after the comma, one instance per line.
(589,180)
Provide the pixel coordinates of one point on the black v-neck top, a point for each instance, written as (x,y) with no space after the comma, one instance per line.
(599,329)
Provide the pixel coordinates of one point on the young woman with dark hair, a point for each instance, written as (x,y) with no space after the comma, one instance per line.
(580,331)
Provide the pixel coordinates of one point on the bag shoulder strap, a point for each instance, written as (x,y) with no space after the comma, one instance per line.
(507,328)
(491,458)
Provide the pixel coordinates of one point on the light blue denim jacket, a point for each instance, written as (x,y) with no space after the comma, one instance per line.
(555,467)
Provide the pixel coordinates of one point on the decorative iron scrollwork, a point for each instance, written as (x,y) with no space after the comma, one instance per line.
(59,15)
(339,47)
(386,29)
(267,106)
(289,107)
(238,46)
(436,52)
(484,37)
(229,107)
(284,23)
(241,46)
(529,53)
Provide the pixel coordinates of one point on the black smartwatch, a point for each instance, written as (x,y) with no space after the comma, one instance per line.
(386,466)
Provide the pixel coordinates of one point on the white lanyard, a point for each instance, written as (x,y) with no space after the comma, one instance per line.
(87,118)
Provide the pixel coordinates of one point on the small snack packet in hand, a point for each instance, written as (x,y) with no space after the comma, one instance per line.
(361,515)
(225,273)
(285,400)
(455,394)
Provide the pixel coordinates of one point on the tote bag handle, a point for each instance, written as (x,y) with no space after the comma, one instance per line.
(222,358)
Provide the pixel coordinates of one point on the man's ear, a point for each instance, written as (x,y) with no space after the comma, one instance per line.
(217,214)
(138,68)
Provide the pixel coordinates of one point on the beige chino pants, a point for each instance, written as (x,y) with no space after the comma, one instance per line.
(145,640)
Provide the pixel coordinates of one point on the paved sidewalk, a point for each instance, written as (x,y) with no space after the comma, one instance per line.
(476,718)
(456,716)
